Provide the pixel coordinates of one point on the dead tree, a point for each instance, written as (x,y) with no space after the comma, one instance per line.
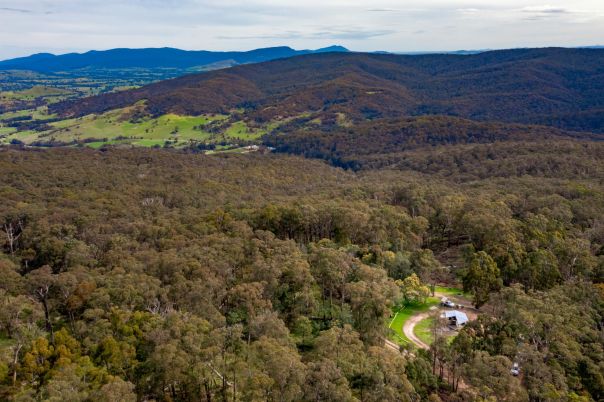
(13,229)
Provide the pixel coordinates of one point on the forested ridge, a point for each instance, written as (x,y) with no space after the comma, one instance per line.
(118,61)
(401,142)
(144,274)
(552,86)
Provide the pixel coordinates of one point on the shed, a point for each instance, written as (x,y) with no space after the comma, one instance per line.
(456,318)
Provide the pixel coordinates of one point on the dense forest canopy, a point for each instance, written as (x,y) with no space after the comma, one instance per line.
(143,274)
(406,143)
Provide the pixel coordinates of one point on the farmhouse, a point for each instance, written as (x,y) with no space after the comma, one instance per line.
(455,318)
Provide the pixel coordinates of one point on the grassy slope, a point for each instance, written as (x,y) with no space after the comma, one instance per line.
(240,130)
(39,91)
(110,126)
(6,130)
(113,128)
(36,114)
(117,127)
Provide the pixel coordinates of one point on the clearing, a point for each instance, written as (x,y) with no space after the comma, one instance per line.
(412,323)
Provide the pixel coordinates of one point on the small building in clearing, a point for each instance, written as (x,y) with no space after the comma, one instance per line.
(455,318)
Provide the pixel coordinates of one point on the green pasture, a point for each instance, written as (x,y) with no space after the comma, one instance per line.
(423,330)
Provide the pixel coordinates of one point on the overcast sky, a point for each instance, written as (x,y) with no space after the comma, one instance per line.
(60,26)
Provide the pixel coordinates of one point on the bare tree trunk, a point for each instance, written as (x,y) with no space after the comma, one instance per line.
(208,392)
(234,387)
(15,361)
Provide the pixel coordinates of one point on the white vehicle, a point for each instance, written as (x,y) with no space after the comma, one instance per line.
(515,370)
(447,303)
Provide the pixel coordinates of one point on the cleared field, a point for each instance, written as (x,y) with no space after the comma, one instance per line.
(130,126)
(35,114)
(35,92)
(116,127)
(112,126)
(240,130)
(450,291)
(6,130)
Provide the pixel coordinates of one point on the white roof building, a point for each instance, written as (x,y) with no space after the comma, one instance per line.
(456,318)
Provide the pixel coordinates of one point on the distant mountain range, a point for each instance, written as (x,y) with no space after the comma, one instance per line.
(154,58)
(551,86)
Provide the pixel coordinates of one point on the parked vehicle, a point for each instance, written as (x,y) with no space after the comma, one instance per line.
(447,303)
(515,369)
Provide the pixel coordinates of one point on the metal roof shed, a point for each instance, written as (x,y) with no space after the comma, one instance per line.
(458,317)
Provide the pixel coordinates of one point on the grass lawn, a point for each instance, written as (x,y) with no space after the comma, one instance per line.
(423,330)
(450,291)
(402,315)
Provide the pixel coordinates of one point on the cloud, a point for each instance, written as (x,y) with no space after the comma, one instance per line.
(282,35)
(383,10)
(544,12)
(470,11)
(17,10)
(412,25)
(23,11)
(547,9)
(350,33)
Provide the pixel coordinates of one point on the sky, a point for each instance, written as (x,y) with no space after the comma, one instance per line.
(61,26)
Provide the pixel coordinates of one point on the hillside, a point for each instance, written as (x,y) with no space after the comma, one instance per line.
(558,87)
(369,140)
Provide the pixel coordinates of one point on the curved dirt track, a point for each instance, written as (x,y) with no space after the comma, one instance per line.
(409,327)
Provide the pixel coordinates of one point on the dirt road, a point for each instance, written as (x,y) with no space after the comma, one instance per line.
(409,327)
(391,345)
